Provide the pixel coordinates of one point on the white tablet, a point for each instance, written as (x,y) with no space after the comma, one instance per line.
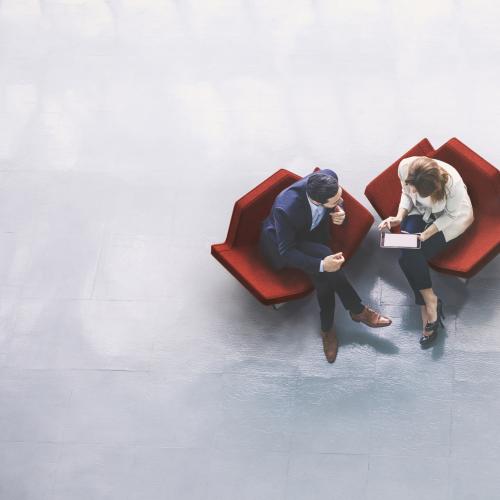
(390,240)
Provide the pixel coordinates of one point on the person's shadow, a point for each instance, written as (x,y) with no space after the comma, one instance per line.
(350,335)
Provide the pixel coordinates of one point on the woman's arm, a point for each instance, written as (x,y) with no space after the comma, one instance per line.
(430,231)
(405,202)
(402,213)
(452,212)
(393,221)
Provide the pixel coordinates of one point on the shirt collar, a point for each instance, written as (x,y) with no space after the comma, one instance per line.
(314,207)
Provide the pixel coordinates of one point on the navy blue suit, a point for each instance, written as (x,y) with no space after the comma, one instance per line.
(288,224)
(287,241)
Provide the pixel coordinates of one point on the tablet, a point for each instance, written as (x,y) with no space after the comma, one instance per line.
(390,240)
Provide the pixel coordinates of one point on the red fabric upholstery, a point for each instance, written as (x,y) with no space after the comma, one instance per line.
(250,210)
(348,236)
(480,243)
(267,285)
(384,191)
(239,254)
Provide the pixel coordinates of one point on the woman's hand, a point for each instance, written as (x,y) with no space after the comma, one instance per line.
(389,222)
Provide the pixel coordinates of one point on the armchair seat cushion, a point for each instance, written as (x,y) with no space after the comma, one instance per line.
(470,252)
(266,284)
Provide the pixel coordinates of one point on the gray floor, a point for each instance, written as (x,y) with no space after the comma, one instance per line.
(132,365)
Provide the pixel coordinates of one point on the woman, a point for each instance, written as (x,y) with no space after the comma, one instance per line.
(434,204)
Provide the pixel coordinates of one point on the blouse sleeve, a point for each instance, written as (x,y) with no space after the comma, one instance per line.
(457,193)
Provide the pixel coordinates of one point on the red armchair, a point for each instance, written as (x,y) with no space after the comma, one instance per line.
(481,242)
(239,254)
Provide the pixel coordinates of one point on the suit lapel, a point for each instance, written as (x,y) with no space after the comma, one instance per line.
(307,208)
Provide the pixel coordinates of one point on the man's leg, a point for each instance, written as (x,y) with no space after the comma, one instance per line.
(327,284)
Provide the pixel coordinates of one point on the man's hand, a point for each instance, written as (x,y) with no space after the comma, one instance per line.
(338,215)
(389,222)
(333,263)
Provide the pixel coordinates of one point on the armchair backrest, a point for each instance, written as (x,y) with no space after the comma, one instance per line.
(347,237)
(251,209)
(481,177)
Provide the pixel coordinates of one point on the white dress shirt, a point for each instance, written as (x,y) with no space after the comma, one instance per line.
(317,212)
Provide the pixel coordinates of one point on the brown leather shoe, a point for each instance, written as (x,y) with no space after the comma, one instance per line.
(371,318)
(330,344)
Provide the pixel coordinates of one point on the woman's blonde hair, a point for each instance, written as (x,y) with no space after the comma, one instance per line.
(428,178)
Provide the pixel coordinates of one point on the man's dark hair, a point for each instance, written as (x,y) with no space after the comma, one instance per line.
(322,187)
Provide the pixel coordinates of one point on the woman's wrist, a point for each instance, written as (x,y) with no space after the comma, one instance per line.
(430,231)
(401,215)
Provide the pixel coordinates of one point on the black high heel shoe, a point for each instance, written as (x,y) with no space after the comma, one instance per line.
(427,340)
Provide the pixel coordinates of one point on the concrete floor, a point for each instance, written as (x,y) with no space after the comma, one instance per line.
(132,365)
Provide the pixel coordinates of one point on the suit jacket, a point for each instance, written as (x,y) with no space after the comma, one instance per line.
(453,215)
(290,223)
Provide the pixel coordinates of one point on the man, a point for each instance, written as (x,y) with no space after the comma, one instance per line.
(297,234)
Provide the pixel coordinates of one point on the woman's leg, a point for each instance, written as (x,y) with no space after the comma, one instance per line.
(431,247)
(412,224)
(423,314)
(416,268)
(431,301)
(414,265)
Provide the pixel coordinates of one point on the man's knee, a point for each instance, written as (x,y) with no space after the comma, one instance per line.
(330,279)
(314,249)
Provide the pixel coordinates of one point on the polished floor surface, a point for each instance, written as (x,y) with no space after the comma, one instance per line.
(132,365)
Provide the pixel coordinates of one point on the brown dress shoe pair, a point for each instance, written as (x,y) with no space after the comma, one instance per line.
(371,318)
(330,344)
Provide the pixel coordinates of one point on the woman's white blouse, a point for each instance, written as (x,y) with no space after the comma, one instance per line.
(453,214)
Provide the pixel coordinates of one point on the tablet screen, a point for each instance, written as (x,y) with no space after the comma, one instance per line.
(391,240)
